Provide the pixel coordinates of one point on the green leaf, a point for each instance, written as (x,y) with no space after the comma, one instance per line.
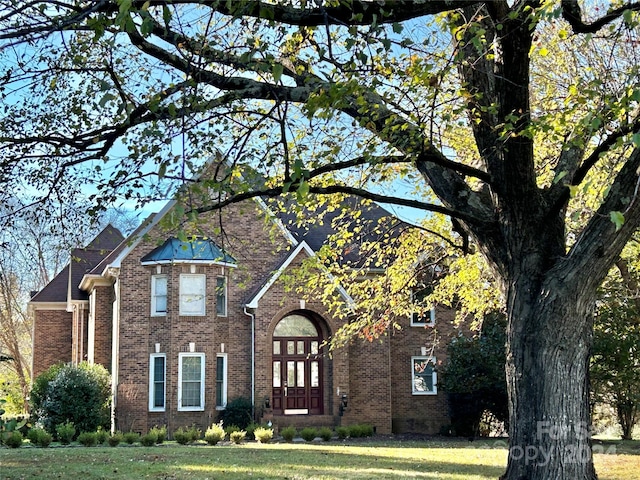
(560,176)
(397,27)
(106,98)
(617,218)
(303,191)
(124,5)
(276,71)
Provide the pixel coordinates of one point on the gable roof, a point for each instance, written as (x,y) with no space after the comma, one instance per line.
(371,224)
(64,286)
(198,250)
(255,297)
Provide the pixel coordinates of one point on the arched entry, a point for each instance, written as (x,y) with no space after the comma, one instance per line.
(297,366)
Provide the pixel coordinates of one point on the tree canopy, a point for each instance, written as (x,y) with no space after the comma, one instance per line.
(518,120)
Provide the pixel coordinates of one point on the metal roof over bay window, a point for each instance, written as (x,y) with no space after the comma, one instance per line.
(196,250)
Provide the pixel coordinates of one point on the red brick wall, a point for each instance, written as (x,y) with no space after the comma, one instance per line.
(248,242)
(419,413)
(103,318)
(51,339)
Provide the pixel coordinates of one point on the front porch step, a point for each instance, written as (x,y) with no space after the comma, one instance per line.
(301,421)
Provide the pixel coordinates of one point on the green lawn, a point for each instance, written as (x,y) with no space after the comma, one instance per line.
(480,460)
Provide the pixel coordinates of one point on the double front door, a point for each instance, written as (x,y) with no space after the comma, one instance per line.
(297,374)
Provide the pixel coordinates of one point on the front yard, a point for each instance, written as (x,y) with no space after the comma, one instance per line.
(375,459)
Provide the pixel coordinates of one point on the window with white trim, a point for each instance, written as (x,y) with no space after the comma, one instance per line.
(221,296)
(221,381)
(157,382)
(158,295)
(191,381)
(192,294)
(423,376)
(422,316)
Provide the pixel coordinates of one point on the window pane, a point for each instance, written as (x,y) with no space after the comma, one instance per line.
(291,374)
(158,395)
(191,368)
(159,294)
(161,285)
(221,296)
(276,348)
(190,394)
(300,374)
(220,380)
(291,347)
(422,374)
(314,347)
(276,375)
(157,382)
(295,326)
(300,348)
(315,374)
(158,369)
(192,294)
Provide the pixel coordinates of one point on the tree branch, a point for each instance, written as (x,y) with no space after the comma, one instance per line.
(572,13)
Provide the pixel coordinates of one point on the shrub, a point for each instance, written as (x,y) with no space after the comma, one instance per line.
(14,439)
(40,386)
(308,434)
(215,433)
(325,433)
(366,430)
(360,430)
(88,439)
(39,437)
(250,429)
(131,437)
(182,436)
(149,440)
(160,433)
(288,433)
(263,435)
(342,432)
(9,424)
(73,393)
(65,432)
(238,436)
(480,358)
(101,436)
(195,433)
(115,439)
(231,428)
(237,412)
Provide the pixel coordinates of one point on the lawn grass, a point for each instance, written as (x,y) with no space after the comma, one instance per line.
(448,460)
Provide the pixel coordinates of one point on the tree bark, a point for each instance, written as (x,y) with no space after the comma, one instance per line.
(548,342)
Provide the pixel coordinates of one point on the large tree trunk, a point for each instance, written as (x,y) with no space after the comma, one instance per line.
(548,342)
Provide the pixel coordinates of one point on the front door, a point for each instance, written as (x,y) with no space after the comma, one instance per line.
(297,367)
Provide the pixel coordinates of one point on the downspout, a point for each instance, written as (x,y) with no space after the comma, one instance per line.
(253,360)
(115,352)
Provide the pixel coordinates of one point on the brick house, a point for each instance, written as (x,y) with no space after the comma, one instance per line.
(186,326)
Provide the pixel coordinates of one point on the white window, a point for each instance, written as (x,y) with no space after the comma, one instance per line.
(158,295)
(191,382)
(422,317)
(157,382)
(192,294)
(221,381)
(221,296)
(423,376)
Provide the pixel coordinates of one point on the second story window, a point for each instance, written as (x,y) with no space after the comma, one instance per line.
(158,295)
(192,294)
(221,296)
